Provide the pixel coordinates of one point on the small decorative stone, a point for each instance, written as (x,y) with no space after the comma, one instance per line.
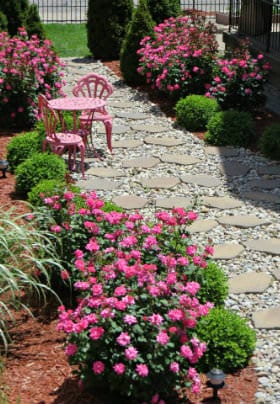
(227,251)
(131,115)
(202,180)
(130,202)
(270,246)
(234,169)
(141,162)
(160,182)
(251,282)
(127,143)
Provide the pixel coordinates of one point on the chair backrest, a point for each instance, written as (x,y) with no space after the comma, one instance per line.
(48,116)
(93,85)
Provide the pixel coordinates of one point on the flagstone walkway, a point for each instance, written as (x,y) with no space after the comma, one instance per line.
(236,193)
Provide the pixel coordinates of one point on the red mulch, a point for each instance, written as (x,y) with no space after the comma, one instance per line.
(36,370)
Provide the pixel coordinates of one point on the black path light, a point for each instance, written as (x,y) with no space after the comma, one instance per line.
(216,380)
(3,167)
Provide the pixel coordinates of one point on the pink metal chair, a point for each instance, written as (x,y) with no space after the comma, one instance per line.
(59,141)
(96,86)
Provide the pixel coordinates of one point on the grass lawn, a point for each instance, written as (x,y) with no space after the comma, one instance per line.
(68,39)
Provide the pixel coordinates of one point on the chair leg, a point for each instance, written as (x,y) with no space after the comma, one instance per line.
(82,153)
(108,125)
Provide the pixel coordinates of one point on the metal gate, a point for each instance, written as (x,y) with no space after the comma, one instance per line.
(75,11)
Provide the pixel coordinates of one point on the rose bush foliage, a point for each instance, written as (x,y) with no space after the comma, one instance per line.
(28,66)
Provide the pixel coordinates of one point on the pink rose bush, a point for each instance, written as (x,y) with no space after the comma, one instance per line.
(238,81)
(179,60)
(133,329)
(28,66)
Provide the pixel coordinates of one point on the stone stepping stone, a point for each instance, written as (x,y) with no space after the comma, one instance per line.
(268,318)
(150,128)
(117,129)
(270,246)
(222,151)
(202,180)
(126,143)
(251,282)
(269,170)
(227,251)
(131,115)
(234,169)
(243,221)
(160,182)
(202,226)
(179,159)
(97,184)
(173,202)
(163,141)
(130,202)
(264,184)
(104,172)
(141,162)
(261,197)
(276,273)
(119,104)
(221,202)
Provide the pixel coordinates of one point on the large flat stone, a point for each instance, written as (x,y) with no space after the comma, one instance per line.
(163,141)
(227,251)
(149,128)
(251,282)
(234,169)
(160,182)
(268,318)
(183,159)
(117,129)
(243,221)
(127,143)
(119,103)
(276,273)
(222,151)
(262,197)
(264,184)
(221,202)
(270,246)
(202,180)
(104,172)
(141,162)
(173,202)
(131,115)
(130,202)
(97,184)
(202,226)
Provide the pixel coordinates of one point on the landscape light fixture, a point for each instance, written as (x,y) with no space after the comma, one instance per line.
(3,167)
(216,380)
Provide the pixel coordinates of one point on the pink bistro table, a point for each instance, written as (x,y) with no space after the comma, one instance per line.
(75,104)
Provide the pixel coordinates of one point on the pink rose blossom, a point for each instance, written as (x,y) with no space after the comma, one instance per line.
(98,367)
(142,370)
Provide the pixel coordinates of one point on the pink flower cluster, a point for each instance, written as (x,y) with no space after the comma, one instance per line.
(178,59)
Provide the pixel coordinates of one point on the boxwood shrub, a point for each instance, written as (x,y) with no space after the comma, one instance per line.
(47,188)
(269,142)
(230,341)
(38,167)
(194,111)
(231,127)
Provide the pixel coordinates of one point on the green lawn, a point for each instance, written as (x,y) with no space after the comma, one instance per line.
(68,39)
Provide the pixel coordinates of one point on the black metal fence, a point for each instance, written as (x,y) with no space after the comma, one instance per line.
(258,20)
(75,11)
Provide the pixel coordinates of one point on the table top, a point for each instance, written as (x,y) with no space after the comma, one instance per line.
(76,103)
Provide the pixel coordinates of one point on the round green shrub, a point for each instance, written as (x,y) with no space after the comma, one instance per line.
(230,341)
(214,285)
(22,147)
(231,127)
(47,188)
(38,167)
(194,111)
(269,142)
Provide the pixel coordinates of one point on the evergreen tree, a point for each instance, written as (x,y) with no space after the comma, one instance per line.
(162,9)
(106,26)
(140,26)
